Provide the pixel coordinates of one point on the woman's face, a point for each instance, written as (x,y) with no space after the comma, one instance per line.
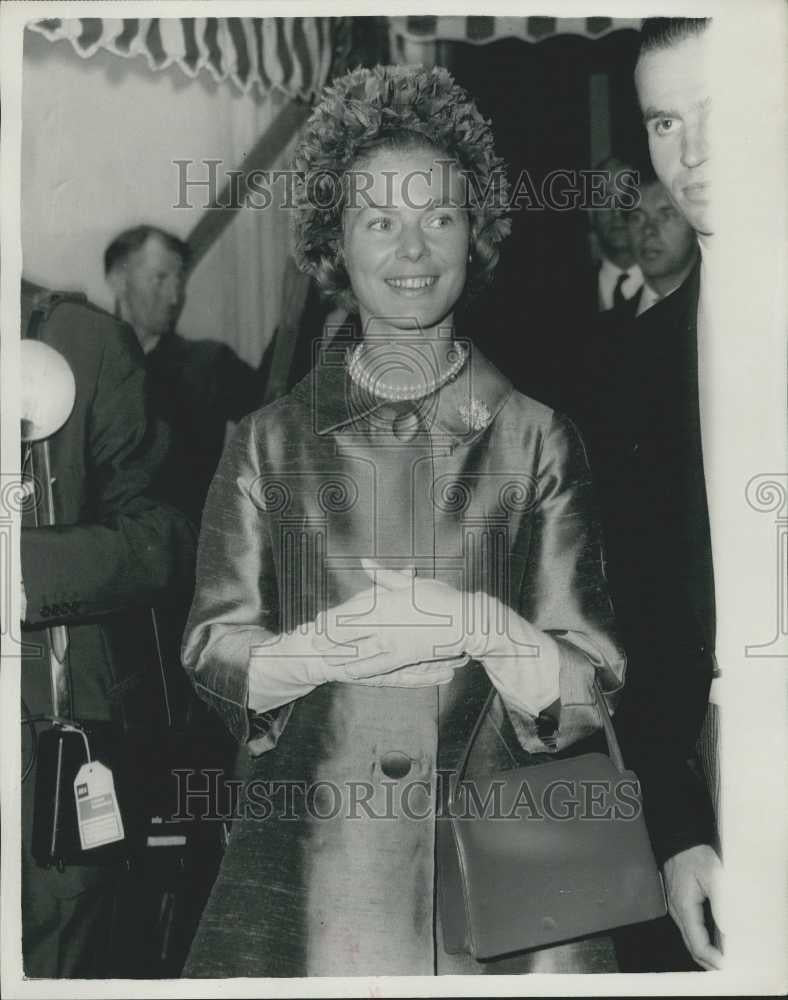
(406,238)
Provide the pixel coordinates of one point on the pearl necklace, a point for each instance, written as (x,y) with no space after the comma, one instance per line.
(413,390)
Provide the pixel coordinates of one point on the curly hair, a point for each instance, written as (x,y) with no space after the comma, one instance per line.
(399,107)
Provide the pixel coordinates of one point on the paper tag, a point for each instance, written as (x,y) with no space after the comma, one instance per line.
(98,814)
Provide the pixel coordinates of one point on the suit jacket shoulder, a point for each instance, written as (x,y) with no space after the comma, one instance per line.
(70,318)
(673,316)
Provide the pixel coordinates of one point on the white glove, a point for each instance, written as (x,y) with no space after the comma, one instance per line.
(415,675)
(401,621)
(284,669)
(294,663)
(522,661)
(405,619)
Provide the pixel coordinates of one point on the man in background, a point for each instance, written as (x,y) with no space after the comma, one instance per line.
(664,246)
(195,386)
(603,295)
(618,277)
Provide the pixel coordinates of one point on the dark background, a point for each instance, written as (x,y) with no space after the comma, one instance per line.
(539,311)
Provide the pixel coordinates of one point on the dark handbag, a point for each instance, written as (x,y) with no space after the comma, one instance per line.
(559,852)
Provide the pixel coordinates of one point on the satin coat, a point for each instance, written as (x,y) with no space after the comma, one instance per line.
(491,493)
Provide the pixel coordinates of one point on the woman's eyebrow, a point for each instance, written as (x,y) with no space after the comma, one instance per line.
(368,204)
(445,201)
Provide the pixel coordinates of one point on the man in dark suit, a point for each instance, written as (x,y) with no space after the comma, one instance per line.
(642,421)
(602,287)
(196,386)
(665,248)
(115,551)
(617,276)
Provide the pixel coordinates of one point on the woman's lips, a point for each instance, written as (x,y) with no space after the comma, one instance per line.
(412,285)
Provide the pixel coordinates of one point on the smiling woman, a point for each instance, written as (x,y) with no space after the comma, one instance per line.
(398,538)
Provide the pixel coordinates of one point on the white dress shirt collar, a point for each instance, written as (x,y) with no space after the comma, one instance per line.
(649,296)
(608,278)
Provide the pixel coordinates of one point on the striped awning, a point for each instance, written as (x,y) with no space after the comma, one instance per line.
(290,54)
(481,30)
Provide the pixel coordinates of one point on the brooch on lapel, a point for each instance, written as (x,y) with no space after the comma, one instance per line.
(476,414)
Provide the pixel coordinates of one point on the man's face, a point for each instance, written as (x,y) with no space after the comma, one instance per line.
(663,242)
(674,98)
(151,288)
(610,224)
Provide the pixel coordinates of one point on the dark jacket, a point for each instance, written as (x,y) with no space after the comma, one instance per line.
(195,387)
(639,414)
(115,550)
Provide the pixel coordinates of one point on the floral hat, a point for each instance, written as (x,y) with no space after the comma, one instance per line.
(356,111)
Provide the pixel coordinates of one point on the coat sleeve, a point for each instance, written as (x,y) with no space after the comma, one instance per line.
(564,591)
(235,605)
(129,550)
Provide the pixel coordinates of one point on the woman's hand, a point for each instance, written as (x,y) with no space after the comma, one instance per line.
(343,644)
(402,621)
(415,675)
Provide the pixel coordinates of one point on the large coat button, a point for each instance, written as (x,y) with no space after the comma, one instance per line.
(395,764)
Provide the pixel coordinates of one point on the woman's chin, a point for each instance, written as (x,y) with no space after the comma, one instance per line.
(415,321)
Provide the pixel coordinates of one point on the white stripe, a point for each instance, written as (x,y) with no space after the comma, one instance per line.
(138,46)
(297,74)
(172,41)
(273,67)
(309,28)
(224,41)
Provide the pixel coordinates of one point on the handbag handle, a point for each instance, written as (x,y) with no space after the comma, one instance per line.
(613,748)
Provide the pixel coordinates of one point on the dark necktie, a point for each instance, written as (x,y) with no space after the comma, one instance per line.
(619,299)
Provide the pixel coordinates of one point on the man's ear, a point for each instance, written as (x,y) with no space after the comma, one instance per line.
(116,279)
